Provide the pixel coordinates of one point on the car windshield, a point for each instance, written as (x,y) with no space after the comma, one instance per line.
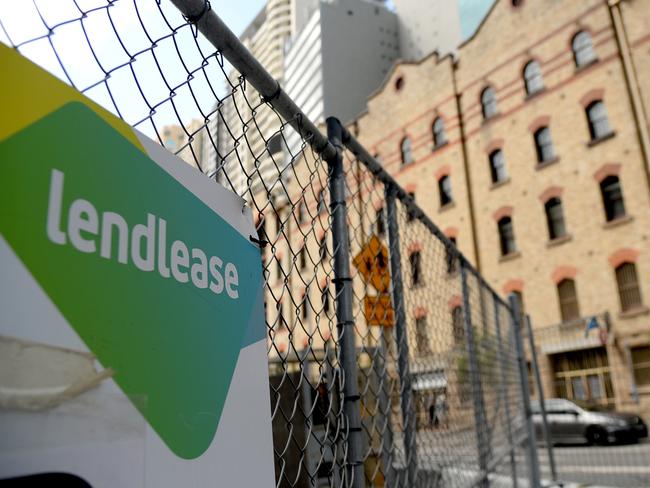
(556,405)
(595,407)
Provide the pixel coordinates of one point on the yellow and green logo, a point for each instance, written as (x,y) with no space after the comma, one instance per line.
(161,288)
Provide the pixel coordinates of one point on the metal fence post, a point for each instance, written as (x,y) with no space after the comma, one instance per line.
(345,318)
(401,336)
(503,389)
(540,397)
(480,419)
(532,459)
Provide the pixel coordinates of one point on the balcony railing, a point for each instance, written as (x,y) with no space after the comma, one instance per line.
(581,333)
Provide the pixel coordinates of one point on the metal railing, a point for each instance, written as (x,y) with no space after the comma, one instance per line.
(391,361)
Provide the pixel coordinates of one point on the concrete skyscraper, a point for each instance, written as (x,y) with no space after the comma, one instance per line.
(428,26)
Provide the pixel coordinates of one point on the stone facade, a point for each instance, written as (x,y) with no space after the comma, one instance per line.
(594,366)
(591,248)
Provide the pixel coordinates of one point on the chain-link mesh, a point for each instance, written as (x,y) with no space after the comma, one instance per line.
(147,64)
(438,378)
(463,402)
(496,388)
(379,383)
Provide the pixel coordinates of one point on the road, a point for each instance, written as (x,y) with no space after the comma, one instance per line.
(454,454)
(623,466)
(613,466)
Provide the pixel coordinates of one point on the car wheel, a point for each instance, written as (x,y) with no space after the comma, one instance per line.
(596,435)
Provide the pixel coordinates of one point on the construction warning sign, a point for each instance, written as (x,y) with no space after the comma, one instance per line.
(379,310)
(372,263)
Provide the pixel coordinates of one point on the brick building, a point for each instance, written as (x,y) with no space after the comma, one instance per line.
(531,150)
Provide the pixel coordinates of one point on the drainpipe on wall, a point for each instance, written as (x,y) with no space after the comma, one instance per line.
(631,81)
(468,177)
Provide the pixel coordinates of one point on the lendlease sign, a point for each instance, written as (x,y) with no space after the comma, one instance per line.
(131,300)
(84,227)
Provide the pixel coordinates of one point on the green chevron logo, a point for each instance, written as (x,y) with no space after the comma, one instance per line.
(161,288)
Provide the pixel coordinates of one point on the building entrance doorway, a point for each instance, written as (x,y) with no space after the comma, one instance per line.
(584,377)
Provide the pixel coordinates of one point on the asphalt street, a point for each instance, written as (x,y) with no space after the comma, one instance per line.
(616,465)
(623,466)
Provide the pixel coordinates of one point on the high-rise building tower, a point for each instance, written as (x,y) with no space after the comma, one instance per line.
(329,56)
(428,26)
(341,56)
(257,152)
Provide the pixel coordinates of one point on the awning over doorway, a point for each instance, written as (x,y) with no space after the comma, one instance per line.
(429,381)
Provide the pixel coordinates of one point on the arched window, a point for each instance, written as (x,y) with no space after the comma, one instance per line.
(583,49)
(325,298)
(416,268)
(405,147)
(519,297)
(305,305)
(439,137)
(597,119)
(279,226)
(380,222)
(301,212)
(544,145)
(554,218)
(458,328)
(281,322)
(498,166)
(322,248)
(488,102)
(322,206)
(451,256)
(302,257)
(506,236)
(568,299)
(444,189)
(279,272)
(533,77)
(610,189)
(422,335)
(628,287)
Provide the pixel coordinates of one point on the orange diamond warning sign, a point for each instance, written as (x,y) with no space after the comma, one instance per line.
(379,310)
(372,263)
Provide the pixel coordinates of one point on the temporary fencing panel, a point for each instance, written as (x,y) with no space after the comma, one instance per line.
(391,361)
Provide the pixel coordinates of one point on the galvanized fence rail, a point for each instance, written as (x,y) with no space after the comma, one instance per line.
(391,361)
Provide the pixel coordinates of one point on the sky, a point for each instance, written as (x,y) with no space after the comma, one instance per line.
(471,15)
(118,40)
(237,15)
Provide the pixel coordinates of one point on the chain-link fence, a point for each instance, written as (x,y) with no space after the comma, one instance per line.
(449,408)
(391,362)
